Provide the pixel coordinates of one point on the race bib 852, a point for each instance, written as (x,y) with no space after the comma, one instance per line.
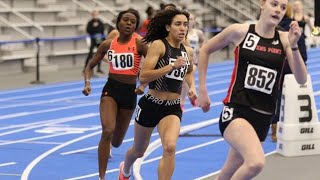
(260,78)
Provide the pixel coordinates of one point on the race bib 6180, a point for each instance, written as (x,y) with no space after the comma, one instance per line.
(121,61)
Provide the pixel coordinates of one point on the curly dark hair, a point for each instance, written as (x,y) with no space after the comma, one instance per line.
(132,11)
(157,26)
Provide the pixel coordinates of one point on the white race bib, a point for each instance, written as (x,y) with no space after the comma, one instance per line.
(260,78)
(251,41)
(121,61)
(227,114)
(179,74)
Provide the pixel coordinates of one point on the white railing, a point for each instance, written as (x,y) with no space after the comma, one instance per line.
(105,7)
(240,8)
(220,7)
(89,9)
(22,32)
(23,17)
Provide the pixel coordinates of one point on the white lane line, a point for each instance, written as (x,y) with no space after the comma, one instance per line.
(56,121)
(55,100)
(96,147)
(50,101)
(7,174)
(212,67)
(37,142)
(96,94)
(30,166)
(48,110)
(186,110)
(34,138)
(217,172)
(96,174)
(151,160)
(77,89)
(3,117)
(98,86)
(45,94)
(186,149)
(9,116)
(81,83)
(79,150)
(7,164)
(37,123)
(48,86)
(92,175)
(157,143)
(124,141)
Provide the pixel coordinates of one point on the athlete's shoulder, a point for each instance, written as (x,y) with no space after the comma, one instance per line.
(137,35)
(106,42)
(157,46)
(238,29)
(235,33)
(157,43)
(114,33)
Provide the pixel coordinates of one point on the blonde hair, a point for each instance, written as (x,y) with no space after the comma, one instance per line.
(289,12)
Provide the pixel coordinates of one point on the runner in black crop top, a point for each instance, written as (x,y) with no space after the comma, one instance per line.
(165,67)
(260,51)
(260,61)
(172,81)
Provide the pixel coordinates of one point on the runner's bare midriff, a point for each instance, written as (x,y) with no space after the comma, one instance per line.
(164,95)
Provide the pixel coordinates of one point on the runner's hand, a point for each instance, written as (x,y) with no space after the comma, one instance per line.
(204,100)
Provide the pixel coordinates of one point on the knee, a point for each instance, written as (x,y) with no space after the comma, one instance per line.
(256,166)
(169,149)
(138,153)
(116,143)
(107,133)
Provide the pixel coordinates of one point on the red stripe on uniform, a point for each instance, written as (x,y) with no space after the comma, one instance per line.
(234,75)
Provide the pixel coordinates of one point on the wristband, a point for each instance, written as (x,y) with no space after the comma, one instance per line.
(295,49)
(87,80)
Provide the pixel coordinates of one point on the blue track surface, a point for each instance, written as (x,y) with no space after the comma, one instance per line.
(51,132)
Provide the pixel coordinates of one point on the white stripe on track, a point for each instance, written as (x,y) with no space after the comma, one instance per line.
(30,166)
(55,121)
(3,117)
(48,86)
(157,143)
(46,94)
(7,164)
